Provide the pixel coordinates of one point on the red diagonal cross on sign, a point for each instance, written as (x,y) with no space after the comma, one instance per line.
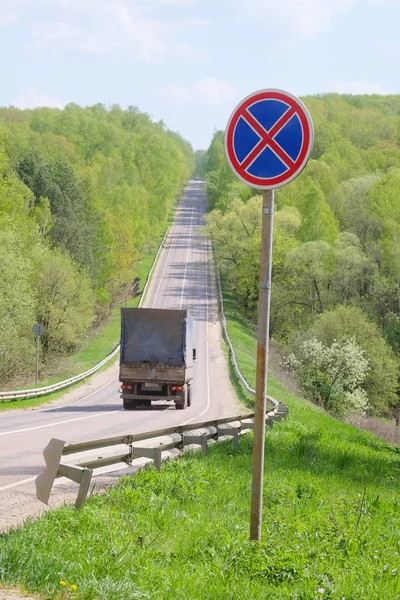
(268,162)
(267,138)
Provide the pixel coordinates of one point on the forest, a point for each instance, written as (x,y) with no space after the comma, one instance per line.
(335,300)
(84,194)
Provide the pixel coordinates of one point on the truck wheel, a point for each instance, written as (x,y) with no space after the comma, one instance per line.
(189,396)
(143,403)
(128,404)
(183,400)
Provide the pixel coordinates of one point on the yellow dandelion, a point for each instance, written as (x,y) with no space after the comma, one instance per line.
(73,587)
(62,582)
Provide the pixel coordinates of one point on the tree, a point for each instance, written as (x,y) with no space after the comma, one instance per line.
(64,301)
(236,236)
(383,200)
(354,271)
(351,206)
(317,219)
(17,299)
(350,322)
(332,375)
(200,158)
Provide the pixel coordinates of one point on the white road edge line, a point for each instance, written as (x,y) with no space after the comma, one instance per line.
(17,483)
(101,414)
(44,410)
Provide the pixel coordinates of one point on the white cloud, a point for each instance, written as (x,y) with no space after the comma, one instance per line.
(298,19)
(214,91)
(65,35)
(145,36)
(92,26)
(357,87)
(32,99)
(208,91)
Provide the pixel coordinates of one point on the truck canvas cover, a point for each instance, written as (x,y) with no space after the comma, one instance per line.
(156,336)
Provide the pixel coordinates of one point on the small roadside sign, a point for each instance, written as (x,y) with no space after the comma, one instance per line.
(38,329)
(269,138)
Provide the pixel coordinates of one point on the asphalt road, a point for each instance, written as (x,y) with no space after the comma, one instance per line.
(183,278)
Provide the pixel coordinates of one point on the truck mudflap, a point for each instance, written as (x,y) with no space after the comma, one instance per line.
(182,399)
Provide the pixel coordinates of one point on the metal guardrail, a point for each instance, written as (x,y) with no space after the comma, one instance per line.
(80,462)
(67,382)
(233,353)
(56,386)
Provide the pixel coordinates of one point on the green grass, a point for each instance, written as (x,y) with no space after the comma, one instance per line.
(331,517)
(330,528)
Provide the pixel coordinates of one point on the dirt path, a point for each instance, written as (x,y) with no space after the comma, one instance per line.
(12,594)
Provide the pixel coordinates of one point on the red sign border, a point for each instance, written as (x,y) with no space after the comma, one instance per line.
(308,138)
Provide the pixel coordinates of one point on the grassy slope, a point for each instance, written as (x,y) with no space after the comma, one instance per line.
(331,522)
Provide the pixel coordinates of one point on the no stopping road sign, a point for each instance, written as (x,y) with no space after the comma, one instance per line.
(269,138)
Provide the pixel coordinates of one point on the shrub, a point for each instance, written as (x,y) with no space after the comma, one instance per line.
(332,376)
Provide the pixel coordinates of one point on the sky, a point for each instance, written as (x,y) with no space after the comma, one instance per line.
(189,62)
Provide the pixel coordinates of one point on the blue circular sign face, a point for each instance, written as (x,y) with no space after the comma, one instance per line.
(269,138)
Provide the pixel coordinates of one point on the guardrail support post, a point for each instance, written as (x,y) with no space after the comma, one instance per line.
(154,453)
(235,437)
(80,475)
(199,440)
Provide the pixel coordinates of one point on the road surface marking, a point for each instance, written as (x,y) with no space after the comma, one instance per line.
(109,412)
(17,483)
(80,400)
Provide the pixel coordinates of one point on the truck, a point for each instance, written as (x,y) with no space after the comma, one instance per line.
(157,356)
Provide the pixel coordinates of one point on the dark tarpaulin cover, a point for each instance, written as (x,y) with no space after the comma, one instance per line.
(154,335)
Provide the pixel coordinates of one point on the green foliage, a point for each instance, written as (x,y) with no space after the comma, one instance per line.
(318,221)
(236,235)
(332,376)
(91,189)
(17,299)
(384,203)
(64,301)
(344,250)
(349,322)
(218,173)
(200,158)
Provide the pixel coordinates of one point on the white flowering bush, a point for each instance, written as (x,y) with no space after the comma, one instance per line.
(332,376)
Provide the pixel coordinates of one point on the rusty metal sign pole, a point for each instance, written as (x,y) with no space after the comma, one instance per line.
(264,297)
